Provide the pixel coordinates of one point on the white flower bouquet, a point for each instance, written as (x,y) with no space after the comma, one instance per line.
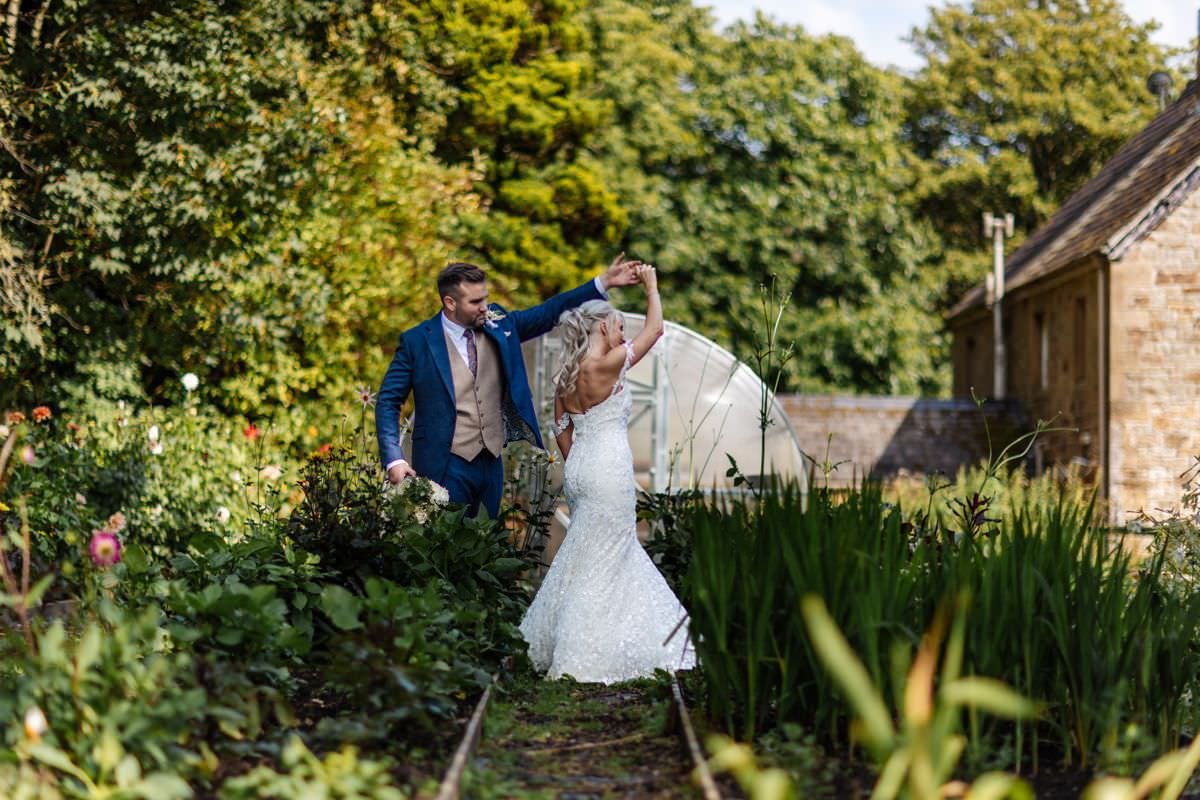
(414,498)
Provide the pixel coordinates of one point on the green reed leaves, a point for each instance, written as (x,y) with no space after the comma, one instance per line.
(1059,612)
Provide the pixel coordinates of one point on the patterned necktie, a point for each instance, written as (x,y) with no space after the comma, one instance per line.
(472,353)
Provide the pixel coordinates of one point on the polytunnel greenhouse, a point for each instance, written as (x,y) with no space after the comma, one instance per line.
(694,403)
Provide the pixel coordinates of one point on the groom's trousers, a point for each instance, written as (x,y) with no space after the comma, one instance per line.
(479,481)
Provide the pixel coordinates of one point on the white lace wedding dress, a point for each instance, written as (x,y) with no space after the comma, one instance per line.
(604,613)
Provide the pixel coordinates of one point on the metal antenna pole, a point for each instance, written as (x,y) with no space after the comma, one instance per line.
(998,228)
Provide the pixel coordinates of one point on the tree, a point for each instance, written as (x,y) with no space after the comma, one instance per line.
(772,158)
(1018,104)
(148,150)
(500,86)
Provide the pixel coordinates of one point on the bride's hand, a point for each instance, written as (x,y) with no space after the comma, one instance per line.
(648,277)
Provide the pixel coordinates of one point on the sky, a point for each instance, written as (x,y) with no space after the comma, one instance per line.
(878,27)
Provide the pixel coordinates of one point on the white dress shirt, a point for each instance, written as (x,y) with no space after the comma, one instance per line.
(455,332)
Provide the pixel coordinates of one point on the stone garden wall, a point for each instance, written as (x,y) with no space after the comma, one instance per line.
(881,436)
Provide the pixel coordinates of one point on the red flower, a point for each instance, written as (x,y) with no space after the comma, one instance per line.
(250,432)
(325,448)
(41,414)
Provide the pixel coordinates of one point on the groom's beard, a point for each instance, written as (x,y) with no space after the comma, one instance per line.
(475,323)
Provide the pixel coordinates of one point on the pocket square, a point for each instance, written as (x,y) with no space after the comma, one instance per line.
(508,333)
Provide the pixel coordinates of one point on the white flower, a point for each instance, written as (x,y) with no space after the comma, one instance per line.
(190,382)
(1179,554)
(236,477)
(152,434)
(156,512)
(493,316)
(438,493)
(222,515)
(271,472)
(156,448)
(35,723)
(365,396)
(80,499)
(4,432)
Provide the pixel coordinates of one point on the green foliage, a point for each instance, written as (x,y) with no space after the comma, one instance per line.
(1016,106)
(918,754)
(339,776)
(359,530)
(403,658)
(499,87)
(1098,642)
(141,464)
(117,690)
(669,544)
(164,143)
(769,155)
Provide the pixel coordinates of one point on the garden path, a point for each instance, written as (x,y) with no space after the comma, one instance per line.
(567,740)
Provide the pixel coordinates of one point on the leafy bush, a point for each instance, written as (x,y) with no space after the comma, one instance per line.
(119,689)
(171,474)
(403,656)
(339,776)
(669,544)
(360,530)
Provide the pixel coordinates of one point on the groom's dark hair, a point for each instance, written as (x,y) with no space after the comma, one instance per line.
(456,273)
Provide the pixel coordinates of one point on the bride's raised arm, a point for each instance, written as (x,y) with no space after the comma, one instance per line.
(652,331)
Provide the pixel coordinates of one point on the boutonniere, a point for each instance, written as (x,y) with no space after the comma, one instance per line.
(493,316)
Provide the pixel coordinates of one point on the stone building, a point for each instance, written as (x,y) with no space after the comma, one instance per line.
(1101,320)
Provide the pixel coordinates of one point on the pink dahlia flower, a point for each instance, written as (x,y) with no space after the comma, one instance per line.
(105,549)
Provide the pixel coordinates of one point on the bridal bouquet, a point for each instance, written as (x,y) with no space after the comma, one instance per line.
(414,498)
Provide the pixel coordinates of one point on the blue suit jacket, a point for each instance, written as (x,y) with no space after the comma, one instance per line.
(422,365)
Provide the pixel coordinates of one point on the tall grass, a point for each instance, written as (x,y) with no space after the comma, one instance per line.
(1057,613)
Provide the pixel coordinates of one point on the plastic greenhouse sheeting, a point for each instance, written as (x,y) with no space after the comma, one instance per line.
(694,403)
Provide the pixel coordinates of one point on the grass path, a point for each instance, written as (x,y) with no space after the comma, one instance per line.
(562,739)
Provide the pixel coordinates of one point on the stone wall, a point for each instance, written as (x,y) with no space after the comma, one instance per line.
(880,436)
(1154,378)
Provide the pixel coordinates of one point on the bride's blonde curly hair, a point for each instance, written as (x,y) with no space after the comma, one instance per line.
(575,328)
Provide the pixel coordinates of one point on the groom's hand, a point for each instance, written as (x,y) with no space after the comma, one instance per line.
(400,471)
(620,273)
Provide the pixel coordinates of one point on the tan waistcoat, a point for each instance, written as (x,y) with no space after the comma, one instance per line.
(478,424)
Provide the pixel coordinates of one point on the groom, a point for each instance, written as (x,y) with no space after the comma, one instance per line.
(465,369)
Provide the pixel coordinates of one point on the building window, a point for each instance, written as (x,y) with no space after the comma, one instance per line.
(1080,338)
(1041,349)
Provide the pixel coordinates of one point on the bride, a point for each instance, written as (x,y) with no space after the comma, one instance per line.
(604,613)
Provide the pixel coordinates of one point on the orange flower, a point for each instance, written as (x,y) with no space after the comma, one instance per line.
(41,414)
(15,418)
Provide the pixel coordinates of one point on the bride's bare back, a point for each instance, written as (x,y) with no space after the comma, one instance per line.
(601,368)
(595,384)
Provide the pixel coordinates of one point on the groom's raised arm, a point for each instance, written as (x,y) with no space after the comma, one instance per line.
(397,383)
(534,322)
